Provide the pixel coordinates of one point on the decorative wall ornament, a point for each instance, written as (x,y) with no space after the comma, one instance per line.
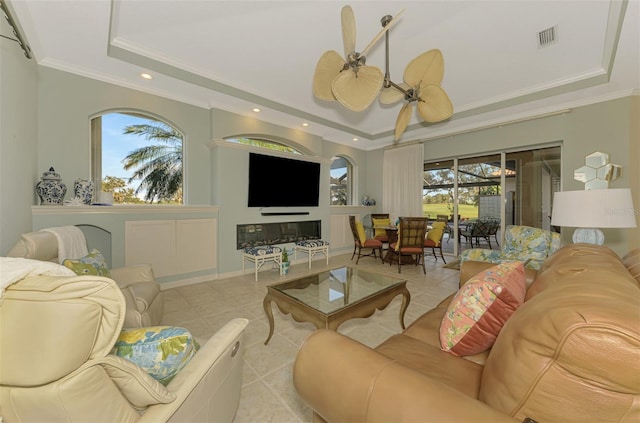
(597,172)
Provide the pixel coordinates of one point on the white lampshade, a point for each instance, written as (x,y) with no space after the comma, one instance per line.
(597,208)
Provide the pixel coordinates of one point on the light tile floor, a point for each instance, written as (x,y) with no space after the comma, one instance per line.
(267,393)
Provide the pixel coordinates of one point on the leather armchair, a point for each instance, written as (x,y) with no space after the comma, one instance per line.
(522,243)
(144,301)
(56,335)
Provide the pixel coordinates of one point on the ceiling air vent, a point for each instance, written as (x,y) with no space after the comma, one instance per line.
(548,36)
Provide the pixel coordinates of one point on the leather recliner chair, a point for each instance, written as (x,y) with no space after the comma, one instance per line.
(141,291)
(56,335)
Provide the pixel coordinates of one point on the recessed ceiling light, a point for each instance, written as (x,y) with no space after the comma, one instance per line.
(146,76)
(255,109)
(305,124)
(355,139)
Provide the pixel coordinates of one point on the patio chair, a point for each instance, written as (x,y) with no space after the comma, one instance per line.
(433,239)
(360,241)
(482,228)
(409,248)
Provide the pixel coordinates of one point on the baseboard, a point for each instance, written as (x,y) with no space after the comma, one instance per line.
(187,281)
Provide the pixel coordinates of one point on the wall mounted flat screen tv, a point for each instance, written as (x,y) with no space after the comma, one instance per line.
(281,182)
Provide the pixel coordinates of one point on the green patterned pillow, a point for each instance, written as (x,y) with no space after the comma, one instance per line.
(93,263)
(159,350)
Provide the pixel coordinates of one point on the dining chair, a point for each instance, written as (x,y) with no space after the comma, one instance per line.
(433,239)
(409,248)
(379,220)
(360,241)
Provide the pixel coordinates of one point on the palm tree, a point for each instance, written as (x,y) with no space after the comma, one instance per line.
(157,166)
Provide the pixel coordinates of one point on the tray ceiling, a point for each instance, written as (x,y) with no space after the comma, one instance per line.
(238,55)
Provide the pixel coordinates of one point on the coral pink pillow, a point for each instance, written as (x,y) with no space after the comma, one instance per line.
(482,306)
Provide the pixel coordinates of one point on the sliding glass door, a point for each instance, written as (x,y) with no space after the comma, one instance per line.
(490,192)
(529,198)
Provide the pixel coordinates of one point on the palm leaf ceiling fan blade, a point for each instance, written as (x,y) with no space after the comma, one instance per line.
(427,68)
(328,68)
(356,91)
(434,104)
(391,23)
(403,120)
(391,95)
(348,30)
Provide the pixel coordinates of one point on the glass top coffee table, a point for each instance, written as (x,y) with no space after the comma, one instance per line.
(330,298)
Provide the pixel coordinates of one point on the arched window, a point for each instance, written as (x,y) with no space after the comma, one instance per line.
(341,185)
(137,157)
(263,143)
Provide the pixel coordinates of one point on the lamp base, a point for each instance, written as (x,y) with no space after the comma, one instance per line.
(588,235)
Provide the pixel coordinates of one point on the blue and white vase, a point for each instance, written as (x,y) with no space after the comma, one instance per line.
(83,190)
(50,189)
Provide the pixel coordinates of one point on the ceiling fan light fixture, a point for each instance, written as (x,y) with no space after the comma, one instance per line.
(355,85)
(392,95)
(403,120)
(434,104)
(427,68)
(327,69)
(356,91)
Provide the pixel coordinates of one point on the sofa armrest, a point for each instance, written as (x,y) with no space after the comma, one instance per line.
(207,389)
(125,276)
(344,381)
(142,294)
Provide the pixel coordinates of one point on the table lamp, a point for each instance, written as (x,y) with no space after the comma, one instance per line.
(589,210)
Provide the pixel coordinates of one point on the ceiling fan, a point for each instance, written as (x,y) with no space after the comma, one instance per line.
(349,80)
(422,77)
(355,85)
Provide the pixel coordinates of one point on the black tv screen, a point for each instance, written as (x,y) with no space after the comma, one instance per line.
(281,182)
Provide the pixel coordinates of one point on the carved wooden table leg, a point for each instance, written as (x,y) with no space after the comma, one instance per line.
(266,303)
(406,298)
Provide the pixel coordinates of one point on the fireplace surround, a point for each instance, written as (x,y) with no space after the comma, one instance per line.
(256,234)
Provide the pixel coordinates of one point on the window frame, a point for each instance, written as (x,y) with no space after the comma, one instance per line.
(348,176)
(96,151)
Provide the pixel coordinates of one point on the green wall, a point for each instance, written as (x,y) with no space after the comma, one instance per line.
(609,127)
(45,116)
(66,104)
(18,140)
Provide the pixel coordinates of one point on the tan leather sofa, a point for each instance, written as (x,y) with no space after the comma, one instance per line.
(56,334)
(145,305)
(570,353)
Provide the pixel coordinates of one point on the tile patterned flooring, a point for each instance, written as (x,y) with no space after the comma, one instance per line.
(267,392)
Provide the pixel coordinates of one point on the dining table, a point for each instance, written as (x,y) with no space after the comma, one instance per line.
(392,234)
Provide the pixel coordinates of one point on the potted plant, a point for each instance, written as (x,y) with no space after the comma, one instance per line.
(284,266)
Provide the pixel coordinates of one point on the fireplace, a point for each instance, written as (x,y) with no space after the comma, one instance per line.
(256,234)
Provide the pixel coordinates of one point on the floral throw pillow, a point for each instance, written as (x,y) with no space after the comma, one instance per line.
(93,263)
(162,351)
(481,307)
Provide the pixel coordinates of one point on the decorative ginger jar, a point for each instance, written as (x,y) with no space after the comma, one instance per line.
(50,189)
(83,190)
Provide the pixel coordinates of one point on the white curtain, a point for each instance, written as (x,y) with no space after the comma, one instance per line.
(402,175)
